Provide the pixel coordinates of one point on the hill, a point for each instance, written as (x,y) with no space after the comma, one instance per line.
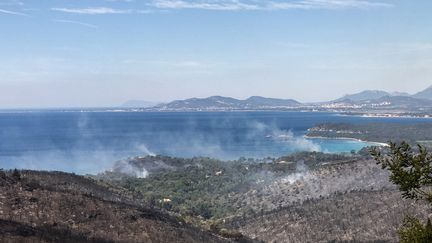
(400,102)
(304,197)
(365,102)
(377,132)
(364,95)
(386,105)
(354,216)
(368,95)
(220,103)
(61,207)
(424,94)
(397,93)
(258,101)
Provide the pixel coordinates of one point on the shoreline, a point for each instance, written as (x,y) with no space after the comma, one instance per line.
(387,115)
(347,138)
(145,110)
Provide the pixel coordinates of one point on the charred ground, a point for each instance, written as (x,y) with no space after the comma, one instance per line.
(303,197)
(60,207)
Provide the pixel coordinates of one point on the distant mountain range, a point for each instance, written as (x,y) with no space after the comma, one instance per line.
(425,94)
(364,95)
(368,100)
(377,94)
(215,103)
(394,102)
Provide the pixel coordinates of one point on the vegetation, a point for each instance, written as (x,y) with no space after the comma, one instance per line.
(356,216)
(414,231)
(210,189)
(307,196)
(377,132)
(61,207)
(312,197)
(411,171)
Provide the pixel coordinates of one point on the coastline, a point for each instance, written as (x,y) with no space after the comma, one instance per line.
(347,138)
(386,115)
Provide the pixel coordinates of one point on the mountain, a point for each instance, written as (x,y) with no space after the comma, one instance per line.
(214,102)
(220,103)
(400,102)
(138,104)
(387,104)
(425,94)
(364,95)
(403,102)
(378,98)
(262,101)
(366,100)
(397,93)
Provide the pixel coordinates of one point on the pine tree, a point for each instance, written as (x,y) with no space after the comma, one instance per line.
(411,171)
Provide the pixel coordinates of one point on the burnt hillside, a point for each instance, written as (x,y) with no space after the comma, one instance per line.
(355,216)
(60,207)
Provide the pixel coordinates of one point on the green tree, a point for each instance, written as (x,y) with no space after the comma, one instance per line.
(413,231)
(411,171)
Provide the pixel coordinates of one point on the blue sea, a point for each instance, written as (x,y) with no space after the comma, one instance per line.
(89,142)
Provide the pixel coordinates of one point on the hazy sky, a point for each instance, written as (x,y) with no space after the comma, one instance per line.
(103,52)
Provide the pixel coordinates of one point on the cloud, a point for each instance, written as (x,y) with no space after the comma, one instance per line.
(189,64)
(3,11)
(326,4)
(93,11)
(215,5)
(236,5)
(75,22)
(409,47)
(232,5)
(11,3)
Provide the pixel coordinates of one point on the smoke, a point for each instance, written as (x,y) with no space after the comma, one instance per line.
(295,143)
(92,142)
(144,150)
(299,143)
(302,173)
(127,168)
(76,143)
(82,162)
(78,161)
(292,178)
(274,192)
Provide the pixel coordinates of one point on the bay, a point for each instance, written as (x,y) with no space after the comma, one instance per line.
(88,142)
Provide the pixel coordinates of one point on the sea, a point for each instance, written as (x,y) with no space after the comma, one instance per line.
(86,142)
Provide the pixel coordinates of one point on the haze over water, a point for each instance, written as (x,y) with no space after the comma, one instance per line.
(88,142)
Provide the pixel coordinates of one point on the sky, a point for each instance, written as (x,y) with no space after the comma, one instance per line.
(90,53)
